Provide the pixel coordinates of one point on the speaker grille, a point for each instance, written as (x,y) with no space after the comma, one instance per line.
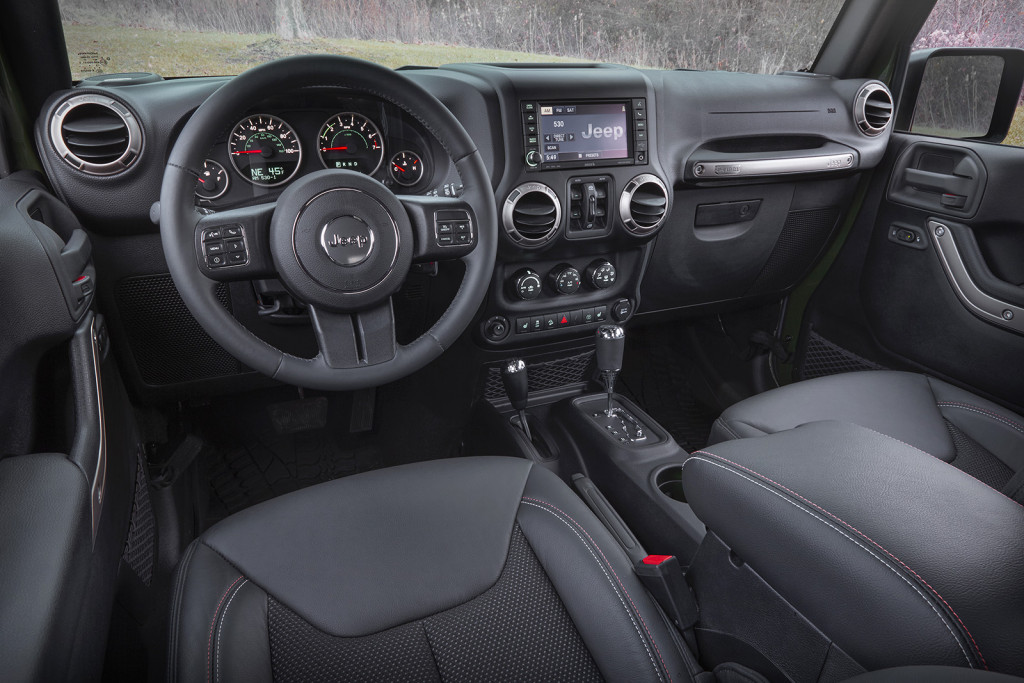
(168,344)
(801,240)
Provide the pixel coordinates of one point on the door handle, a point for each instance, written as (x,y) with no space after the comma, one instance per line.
(942,183)
(997,311)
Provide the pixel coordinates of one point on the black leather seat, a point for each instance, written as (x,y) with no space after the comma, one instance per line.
(469,569)
(878,504)
(953,425)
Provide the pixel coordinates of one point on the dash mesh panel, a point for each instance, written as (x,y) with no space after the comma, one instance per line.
(168,344)
(517,630)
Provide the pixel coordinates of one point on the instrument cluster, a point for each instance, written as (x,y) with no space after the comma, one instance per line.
(268,149)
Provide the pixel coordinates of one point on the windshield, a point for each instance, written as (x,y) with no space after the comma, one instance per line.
(225,37)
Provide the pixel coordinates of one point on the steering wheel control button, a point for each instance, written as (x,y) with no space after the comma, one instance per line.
(347,240)
(233,245)
(526,284)
(212,234)
(237,258)
(622,309)
(232,231)
(214,248)
(565,279)
(496,328)
(453,228)
(216,261)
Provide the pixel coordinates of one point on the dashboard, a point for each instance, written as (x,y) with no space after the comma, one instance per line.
(621,192)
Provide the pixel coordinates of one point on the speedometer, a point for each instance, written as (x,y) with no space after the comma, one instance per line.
(264,150)
(351,141)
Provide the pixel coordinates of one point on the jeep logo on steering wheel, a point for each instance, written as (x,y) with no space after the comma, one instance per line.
(347,240)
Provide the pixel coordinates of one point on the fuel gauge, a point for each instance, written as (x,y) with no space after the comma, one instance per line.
(406,168)
(213,180)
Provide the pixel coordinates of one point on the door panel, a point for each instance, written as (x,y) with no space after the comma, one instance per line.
(947,301)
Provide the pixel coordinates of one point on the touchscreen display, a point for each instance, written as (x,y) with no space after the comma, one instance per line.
(583,132)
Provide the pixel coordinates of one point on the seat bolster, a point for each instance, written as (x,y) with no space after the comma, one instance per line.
(898,557)
(992,426)
(207,588)
(900,404)
(241,643)
(616,617)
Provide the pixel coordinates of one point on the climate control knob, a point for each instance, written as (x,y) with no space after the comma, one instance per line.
(601,274)
(565,279)
(526,284)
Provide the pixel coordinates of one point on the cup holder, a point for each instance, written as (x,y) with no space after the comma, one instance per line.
(669,481)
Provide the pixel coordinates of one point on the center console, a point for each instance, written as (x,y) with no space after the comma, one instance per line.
(581,195)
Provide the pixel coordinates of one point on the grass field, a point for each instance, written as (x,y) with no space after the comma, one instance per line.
(112,49)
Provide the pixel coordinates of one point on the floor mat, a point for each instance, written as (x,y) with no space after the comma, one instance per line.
(658,378)
(260,447)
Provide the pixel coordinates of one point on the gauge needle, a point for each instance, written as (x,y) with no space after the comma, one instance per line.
(331,149)
(398,168)
(249,151)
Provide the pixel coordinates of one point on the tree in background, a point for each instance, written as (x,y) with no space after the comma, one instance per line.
(290,21)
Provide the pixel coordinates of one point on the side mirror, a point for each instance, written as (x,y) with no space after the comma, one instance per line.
(965,93)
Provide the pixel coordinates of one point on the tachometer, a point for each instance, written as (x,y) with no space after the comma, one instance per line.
(352,141)
(264,150)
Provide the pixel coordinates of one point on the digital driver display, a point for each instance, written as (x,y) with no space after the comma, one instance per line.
(584,132)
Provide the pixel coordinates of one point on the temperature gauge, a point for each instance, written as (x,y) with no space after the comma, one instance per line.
(406,168)
(213,180)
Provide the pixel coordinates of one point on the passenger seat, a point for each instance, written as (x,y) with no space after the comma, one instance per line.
(953,425)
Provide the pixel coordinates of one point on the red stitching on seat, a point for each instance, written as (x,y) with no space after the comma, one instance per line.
(866,538)
(995,416)
(209,642)
(617,579)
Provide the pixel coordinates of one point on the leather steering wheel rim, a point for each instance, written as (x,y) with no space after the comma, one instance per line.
(179,217)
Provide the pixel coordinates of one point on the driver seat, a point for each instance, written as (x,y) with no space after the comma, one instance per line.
(469,569)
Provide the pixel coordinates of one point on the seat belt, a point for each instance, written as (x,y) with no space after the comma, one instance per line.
(662,575)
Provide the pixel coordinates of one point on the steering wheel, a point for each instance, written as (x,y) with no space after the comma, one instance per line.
(341,242)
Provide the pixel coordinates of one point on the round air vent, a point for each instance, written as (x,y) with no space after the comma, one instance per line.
(643,205)
(95,134)
(531,214)
(872,109)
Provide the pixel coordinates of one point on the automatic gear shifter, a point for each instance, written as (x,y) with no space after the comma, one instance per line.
(514,377)
(611,342)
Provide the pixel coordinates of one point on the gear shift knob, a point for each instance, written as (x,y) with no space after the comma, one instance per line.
(611,342)
(517,386)
(514,377)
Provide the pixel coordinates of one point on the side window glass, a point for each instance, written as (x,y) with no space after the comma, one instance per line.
(958,96)
(958,93)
